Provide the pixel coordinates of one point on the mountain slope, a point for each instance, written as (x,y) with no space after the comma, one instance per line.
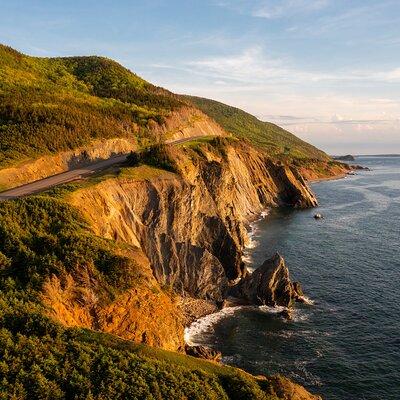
(266,135)
(48,105)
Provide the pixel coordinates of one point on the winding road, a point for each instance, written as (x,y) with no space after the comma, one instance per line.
(68,176)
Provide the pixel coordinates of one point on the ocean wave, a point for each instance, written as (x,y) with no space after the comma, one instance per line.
(307,300)
(272,310)
(252,233)
(205,325)
(232,359)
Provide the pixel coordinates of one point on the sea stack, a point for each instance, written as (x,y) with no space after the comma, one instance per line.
(270,285)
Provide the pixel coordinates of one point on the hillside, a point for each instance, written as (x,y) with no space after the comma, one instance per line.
(51,105)
(273,139)
(48,105)
(99,277)
(91,275)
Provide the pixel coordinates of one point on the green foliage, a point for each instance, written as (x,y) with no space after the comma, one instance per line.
(157,155)
(107,78)
(60,364)
(41,359)
(265,135)
(41,236)
(49,105)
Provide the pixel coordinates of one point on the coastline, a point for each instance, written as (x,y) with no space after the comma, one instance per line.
(328,178)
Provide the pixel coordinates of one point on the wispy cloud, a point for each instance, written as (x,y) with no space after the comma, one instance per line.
(253,65)
(274,9)
(287,8)
(351,18)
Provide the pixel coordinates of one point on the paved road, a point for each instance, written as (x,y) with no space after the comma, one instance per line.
(64,177)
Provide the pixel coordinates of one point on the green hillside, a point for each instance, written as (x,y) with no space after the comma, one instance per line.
(265,135)
(55,104)
(43,236)
(49,105)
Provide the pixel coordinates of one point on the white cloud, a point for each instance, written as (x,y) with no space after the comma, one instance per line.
(285,8)
(252,65)
(274,9)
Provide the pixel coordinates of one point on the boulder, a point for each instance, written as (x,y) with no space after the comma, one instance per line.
(318,216)
(203,352)
(270,285)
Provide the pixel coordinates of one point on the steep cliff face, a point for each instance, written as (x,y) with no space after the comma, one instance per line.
(192,226)
(143,313)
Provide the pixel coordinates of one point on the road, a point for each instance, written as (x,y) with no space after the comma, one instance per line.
(68,176)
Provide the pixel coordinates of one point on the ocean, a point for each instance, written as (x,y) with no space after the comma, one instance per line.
(345,344)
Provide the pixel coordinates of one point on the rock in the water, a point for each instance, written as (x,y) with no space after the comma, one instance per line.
(286,313)
(318,216)
(203,352)
(298,289)
(270,285)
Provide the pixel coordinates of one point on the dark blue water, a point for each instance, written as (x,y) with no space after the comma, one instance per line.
(347,344)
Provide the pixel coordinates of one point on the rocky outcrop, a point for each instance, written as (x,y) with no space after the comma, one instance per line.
(203,352)
(143,313)
(192,226)
(270,285)
(347,157)
(285,389)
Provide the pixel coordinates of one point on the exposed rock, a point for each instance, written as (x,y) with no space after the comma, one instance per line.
(182,123)
(298,289)
(359,168)
(318,216)
(144,313)
(270,285)
(192,226)
(194,309)
(54,164)
(284,389)
(203,352)
(347,157)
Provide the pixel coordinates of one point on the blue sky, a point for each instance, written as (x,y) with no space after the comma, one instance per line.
(328,70)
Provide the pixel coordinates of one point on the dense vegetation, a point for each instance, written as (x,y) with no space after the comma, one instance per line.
(41,236)
(265,135)
(157,155)
(40,359)
(55,104)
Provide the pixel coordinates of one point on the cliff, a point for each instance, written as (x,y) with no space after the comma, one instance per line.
(192,225)
(146,249)
(143,312)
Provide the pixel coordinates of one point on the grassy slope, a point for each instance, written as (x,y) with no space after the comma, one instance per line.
(40,359)
(49,105)
(270,137)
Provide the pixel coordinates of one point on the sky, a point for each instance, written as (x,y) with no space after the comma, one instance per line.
(327,70)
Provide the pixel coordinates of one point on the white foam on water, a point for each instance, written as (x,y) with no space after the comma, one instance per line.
(264,213)
(235,358)
(272,310)
(246,258)
(205,325)
(252,233)
(307,300)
